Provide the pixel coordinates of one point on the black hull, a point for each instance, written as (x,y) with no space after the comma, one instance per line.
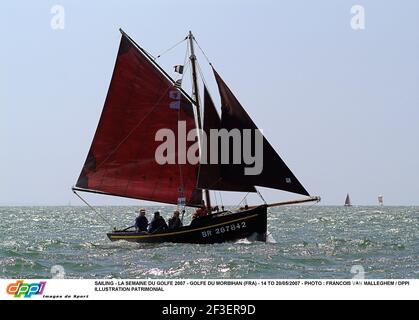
(215,228)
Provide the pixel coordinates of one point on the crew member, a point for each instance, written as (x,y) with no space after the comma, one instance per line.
(174,221)
(200,212)
(141,223)
(158,223)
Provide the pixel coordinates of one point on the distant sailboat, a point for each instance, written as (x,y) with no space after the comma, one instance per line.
(380,200)
(348,201)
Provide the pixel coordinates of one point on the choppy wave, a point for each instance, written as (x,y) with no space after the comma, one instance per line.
(303,242)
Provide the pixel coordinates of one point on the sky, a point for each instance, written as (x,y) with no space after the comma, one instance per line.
(341,106)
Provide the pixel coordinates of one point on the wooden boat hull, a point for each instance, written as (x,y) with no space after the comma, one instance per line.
(216,228)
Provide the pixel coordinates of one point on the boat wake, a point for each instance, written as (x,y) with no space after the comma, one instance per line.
(256,237)
(270,238)
(243,241)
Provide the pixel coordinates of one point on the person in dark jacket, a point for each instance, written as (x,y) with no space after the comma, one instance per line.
(141,223)
(157,224)
(174,221)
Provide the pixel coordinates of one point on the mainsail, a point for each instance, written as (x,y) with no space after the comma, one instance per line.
(121,161)
(275,173)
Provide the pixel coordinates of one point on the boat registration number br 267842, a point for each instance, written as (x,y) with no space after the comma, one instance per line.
(223,229)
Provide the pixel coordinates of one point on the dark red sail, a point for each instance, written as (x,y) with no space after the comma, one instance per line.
(275,173)
(121,160)
(210,173)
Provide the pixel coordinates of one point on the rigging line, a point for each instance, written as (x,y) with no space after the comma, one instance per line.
(207,89)
(94,209)
(215,196)
(260,195)
(202,76)
(204,81)
(206,57)
(199,98)
(148,53)
(171,48)
(243,199)
(199,173)
(312,205)
(199,140)
(185,66)
(221,198)
(186,57)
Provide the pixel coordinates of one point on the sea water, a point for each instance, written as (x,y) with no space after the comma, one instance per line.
(303,242)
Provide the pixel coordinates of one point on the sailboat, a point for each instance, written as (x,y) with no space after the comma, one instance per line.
(380,200)
(142,99)
(348,201)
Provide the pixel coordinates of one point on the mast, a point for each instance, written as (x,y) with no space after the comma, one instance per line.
(195,96)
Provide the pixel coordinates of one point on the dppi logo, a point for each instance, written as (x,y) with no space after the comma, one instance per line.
(27,290)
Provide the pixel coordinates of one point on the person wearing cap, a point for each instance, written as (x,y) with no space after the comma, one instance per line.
(141,223)
(158,223)
(174,221)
